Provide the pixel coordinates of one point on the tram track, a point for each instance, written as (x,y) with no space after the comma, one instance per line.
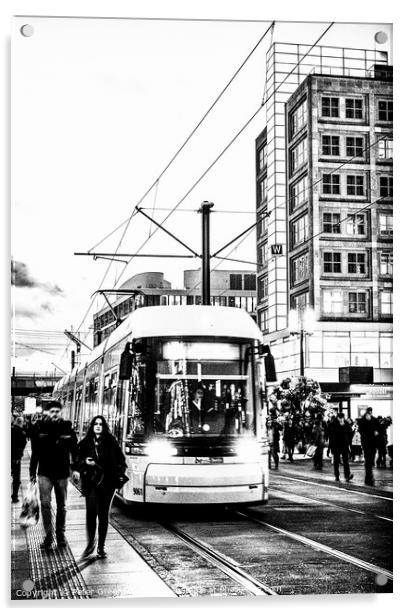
(378,571)
(333,487)
(277,491)
(229,566)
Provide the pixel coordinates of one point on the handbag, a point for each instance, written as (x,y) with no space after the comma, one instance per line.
(121,481)
(30,510)
(311,450)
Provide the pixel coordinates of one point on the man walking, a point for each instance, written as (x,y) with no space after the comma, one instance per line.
(339,443)
(52,444)
(369,432)
(18,443)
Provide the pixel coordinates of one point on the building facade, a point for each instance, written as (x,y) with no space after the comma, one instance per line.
(328,242)
(234,288)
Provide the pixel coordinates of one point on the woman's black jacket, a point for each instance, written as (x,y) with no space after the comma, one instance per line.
(109,459)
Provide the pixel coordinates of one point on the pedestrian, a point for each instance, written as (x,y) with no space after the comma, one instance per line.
(389,432)
(52,444)
(356,449)
(18,443)
(369,431)
(101,465)
(339,442)
(290,436)
(273,429)
(318,440)
(381,443)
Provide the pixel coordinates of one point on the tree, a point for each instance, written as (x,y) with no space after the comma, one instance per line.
(299,396)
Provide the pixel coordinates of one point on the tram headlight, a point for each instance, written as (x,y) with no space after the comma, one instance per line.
(160,451)
(249,451)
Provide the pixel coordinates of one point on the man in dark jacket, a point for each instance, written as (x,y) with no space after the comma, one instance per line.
(18,443)
(339,443)
(290,437)
(369,432)
(52,445)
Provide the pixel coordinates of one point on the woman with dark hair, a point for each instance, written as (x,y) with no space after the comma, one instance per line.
(101,465)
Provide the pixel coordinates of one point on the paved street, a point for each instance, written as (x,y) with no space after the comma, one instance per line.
(314,536)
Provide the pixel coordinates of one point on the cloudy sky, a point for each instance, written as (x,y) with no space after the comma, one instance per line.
(99,106)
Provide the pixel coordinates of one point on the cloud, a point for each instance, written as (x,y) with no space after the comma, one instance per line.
(21,277)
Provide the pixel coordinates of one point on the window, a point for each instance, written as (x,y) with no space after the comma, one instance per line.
(386,263)
(386,302)
(298,193)
(262,288)
(263,320)
(357,302)
(235,282)
(300,268)
(261,158)
(249,282)
(261,191)
(299,302)
(356,263)
(355,185)
(297,119)
(331,222)
(385,111)
(299,230)
(263,254)
(332,262)
(298,155)
(386,225)
(262,222)
(355,224)
(386,148)
(331,184)
(354,146)
(332,301)
(386,186)
(330,145)
(330,107)
(354,108)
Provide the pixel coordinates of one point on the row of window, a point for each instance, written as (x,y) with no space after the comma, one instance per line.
(353,108)
(349,108)
(338,348)
(331,145)
(247,282)
(338,262)
(338,302)
(346,185)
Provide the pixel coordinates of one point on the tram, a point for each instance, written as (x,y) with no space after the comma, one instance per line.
(183,389)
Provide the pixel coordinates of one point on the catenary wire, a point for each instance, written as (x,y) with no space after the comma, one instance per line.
(193,131)
(213,163)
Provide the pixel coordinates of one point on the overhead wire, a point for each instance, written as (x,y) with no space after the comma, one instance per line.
(236,136)
(168,165)
(213,163)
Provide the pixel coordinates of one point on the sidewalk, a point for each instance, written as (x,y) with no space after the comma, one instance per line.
(303,467)
(61,574)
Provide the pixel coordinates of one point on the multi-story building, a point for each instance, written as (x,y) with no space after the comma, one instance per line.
(235,288)
(332,215)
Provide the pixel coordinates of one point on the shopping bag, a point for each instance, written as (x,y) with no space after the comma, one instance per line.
(30,510)
(311,450)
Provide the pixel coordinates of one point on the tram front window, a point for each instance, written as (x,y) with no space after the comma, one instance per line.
(202,388)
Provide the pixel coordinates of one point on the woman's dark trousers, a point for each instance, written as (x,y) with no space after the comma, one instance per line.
(98,503)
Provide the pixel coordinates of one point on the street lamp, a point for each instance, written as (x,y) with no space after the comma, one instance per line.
(302,323)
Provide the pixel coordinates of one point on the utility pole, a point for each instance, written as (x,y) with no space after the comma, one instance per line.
(206,273)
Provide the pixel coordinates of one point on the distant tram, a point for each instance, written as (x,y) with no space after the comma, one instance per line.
(183,389)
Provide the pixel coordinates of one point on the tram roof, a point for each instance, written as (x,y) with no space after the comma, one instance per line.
(159,321)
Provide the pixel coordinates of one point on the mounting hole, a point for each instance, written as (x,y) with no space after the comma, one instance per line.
(380,37)
(27,30)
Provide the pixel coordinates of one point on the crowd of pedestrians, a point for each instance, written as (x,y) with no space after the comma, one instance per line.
(334,435)
(96,463)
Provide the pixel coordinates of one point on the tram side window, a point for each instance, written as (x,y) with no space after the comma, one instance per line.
(110,398)
(77,410)
(135,419)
